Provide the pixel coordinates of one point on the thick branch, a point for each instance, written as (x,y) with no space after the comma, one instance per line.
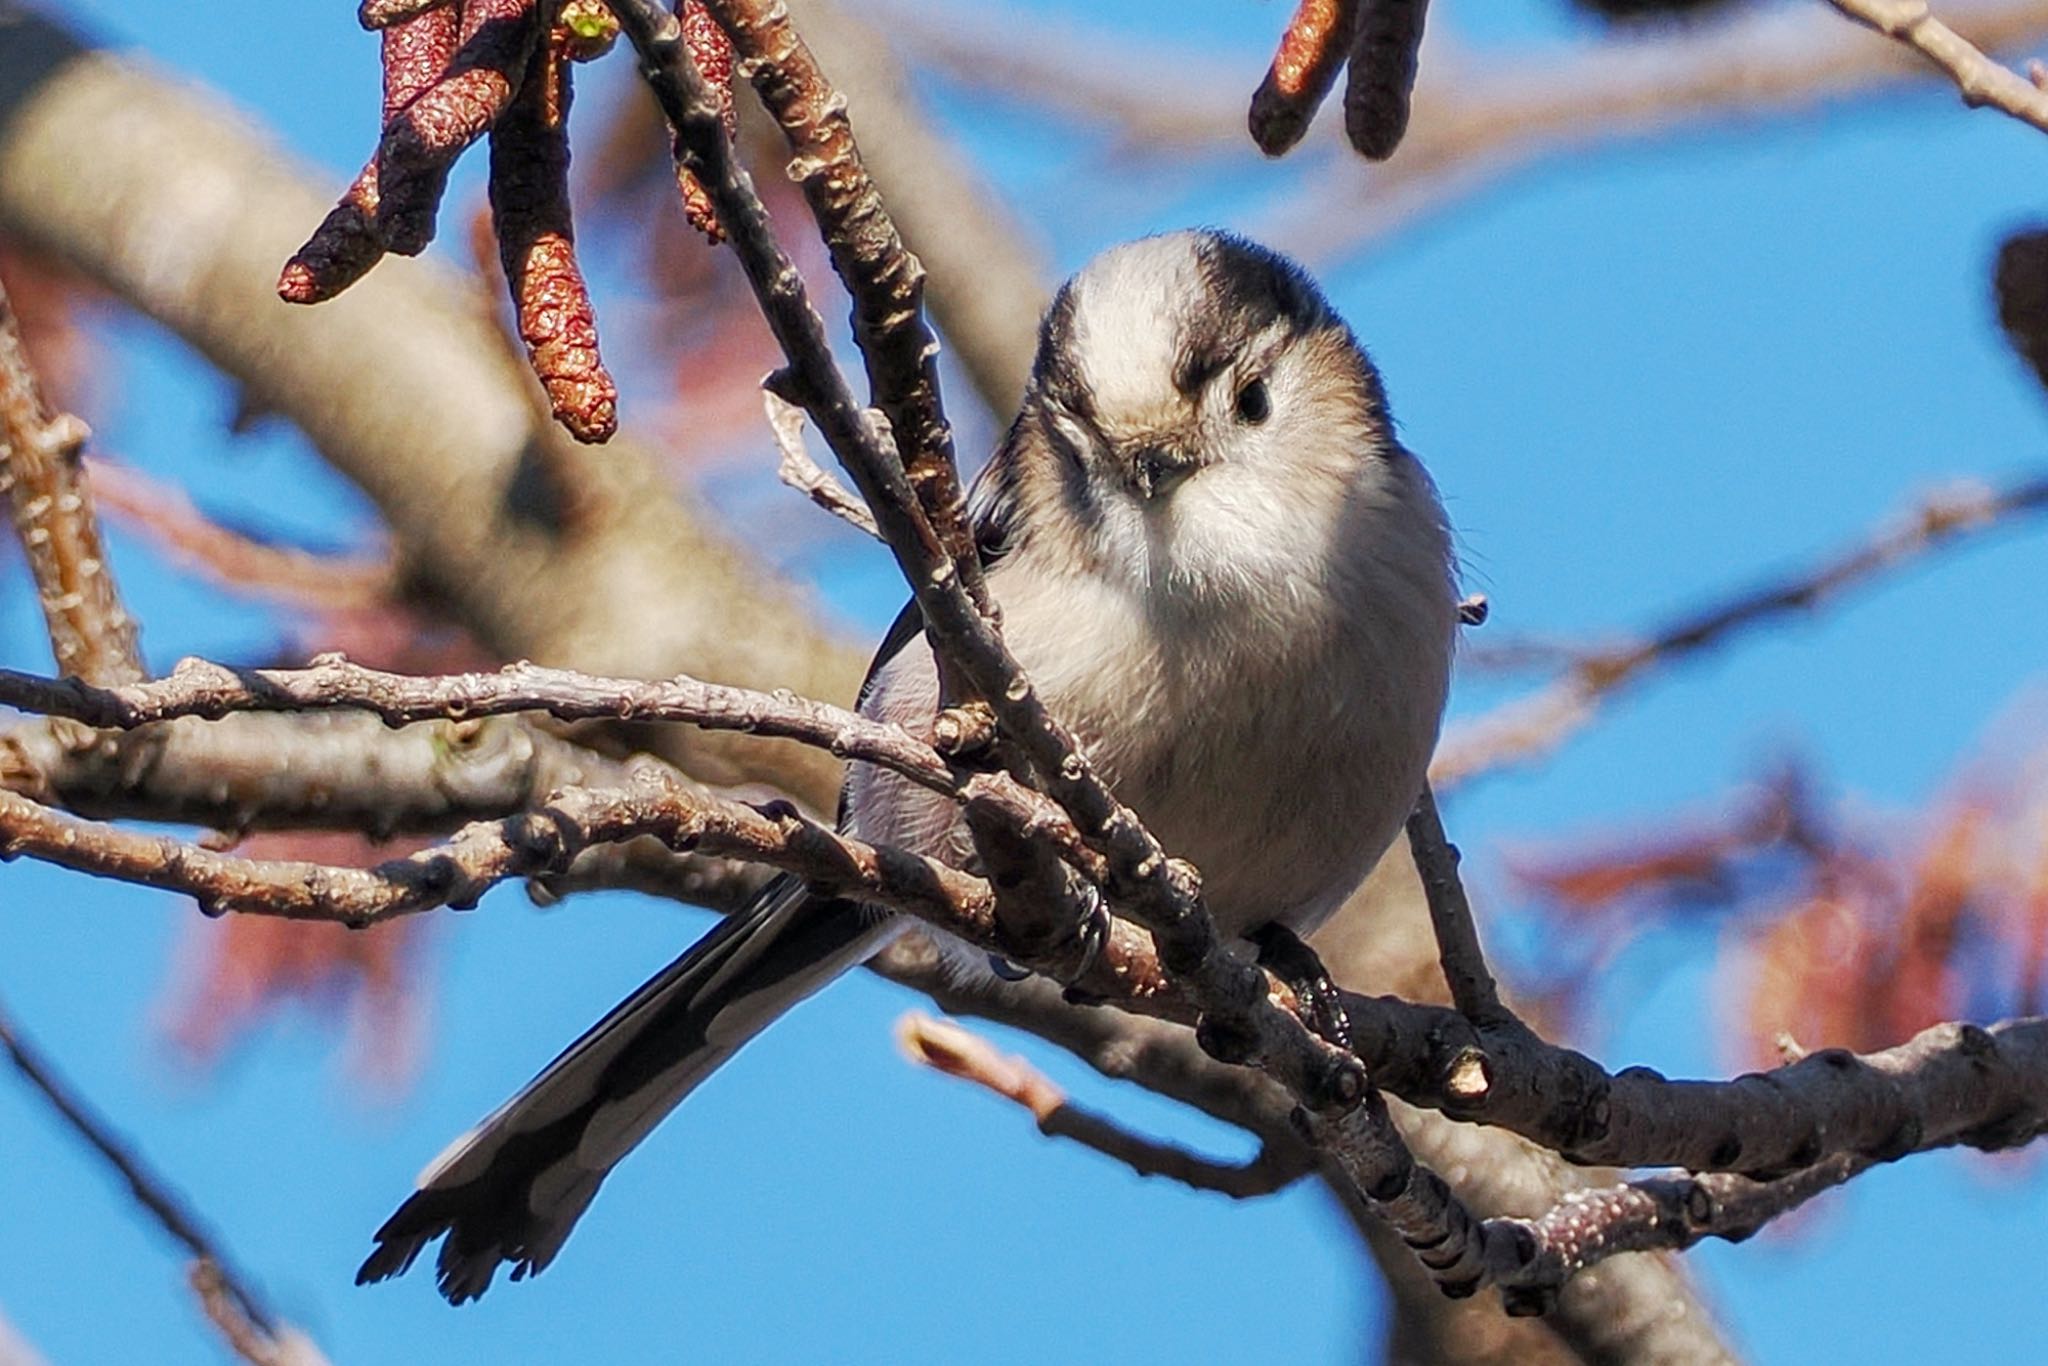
(1950,1084)
(332,772)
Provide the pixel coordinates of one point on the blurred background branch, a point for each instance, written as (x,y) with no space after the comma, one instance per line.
(253,1330)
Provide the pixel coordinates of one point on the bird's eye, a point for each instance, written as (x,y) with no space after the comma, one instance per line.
(1254,404)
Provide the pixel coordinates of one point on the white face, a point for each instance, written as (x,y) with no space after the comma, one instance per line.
(1215,418)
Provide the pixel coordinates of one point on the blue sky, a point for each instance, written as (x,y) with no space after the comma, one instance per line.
(1638,375)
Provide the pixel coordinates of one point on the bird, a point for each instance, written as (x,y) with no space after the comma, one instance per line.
(1219,567)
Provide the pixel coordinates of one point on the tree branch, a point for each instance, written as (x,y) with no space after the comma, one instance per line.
(91,633)
(961,1053)
(987,271)
(1529,727)
(1980,80)
(885,281)
(1953,1085)
(800,472)
(1537,1257)
(1473,990)
(238,563)
(404,385)
(458,872)
(261,1336)
(198,689)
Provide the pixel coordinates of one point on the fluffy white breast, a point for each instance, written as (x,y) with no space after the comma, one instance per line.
(1275,734)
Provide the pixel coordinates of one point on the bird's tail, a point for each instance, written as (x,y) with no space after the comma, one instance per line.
(510,1189)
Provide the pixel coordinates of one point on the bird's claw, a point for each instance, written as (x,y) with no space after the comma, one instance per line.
(1091,937)
(1295,963)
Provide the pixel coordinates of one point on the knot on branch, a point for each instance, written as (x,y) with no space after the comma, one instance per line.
(964,732)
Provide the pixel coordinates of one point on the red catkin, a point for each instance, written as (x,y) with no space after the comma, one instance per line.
(496,42)
(529,189)
(345,245)
(711,50)
(1383,59)
(1311,52)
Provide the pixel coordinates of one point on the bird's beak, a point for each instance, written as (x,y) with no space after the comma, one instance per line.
(1157,467)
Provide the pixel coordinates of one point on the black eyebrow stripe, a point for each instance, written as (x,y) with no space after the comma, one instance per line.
(1196,368)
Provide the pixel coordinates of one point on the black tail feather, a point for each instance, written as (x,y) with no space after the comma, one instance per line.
(512,1189)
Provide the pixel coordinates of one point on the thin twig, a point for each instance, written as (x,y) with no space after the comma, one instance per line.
(286,1346)
(197,688)
(961,1053)
(1534,1258)
(1980,80)
(805,475)
(1529,727)
(153,1194)
(1473,990)
(91,633)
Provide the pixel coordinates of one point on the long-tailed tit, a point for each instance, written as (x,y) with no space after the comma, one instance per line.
(1218,566)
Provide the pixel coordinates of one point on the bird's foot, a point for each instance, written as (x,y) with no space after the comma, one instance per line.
(1091,937)
(1283,954)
